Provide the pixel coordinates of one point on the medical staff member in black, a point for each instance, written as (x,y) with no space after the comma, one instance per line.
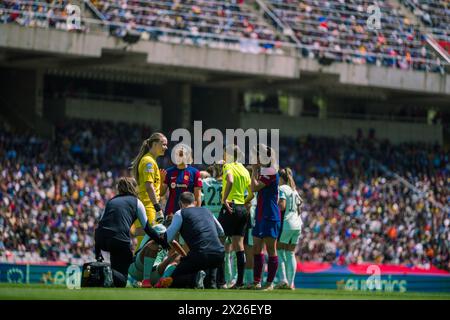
(113,232)
(201,231)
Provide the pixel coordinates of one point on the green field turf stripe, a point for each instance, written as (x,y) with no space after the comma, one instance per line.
(17,292)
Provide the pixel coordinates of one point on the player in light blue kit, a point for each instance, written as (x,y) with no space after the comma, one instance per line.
(289,203)
(212,190)
(150,263)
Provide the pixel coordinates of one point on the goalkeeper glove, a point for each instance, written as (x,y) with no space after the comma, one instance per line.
(159,214)
(160,218)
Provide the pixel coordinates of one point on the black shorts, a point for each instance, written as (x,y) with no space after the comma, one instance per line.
(235,223)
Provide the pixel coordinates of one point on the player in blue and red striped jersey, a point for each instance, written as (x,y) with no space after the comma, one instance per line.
(265,181)
(181,178)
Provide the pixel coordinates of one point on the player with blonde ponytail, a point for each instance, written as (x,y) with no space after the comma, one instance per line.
(289,203)
(148,177)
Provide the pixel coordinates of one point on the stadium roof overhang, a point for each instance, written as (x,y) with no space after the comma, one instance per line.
(99,56)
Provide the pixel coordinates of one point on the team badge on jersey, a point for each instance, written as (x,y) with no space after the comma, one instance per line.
(149,168)
(186,177)
(173,185)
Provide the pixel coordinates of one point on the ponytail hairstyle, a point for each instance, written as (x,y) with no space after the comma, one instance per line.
(286,174)
(211,171)
(127,186)
(218,169)
(145,148)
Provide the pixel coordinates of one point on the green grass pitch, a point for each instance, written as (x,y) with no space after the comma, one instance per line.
(54,292)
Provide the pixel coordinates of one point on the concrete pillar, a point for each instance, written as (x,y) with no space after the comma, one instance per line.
(322,104)
(176,105)
(234,100)
(295,106)
(22,97)
(216,107)
(431,114)
(185,91)
(39,92)
(23,90)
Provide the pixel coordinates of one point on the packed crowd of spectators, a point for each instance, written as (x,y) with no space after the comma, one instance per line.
(335,30)
(357,210)
(434,14)
(214,22)
(339,30)
(52,192)
(43,13)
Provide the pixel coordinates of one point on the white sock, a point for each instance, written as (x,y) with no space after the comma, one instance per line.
(281,272)
(228,267)
(233,265)
(291,266)
(148,266)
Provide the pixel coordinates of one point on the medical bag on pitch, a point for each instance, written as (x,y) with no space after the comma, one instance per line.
(97,274)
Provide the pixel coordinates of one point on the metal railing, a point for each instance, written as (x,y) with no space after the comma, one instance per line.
(277,21)
(170,12)
(40,4)
(116,98)
(437,32)
(442,52)
(368,116)
(149,3)
(337,39)
(154,18)
(292,8)
(94,9)
(437,35)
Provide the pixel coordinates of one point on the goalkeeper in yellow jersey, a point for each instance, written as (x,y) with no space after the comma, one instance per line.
(146,172)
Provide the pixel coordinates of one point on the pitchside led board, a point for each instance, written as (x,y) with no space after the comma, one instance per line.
(364,277)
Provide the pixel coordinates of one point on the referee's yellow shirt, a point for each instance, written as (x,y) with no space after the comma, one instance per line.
(241,181)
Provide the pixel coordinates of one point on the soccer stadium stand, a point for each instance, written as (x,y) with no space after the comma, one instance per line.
(434,14)
(53,192)
(339,27)
(194,19)
(356,210)
(44,14)
(334,30)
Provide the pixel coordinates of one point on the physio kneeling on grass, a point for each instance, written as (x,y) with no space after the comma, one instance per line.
(201,231)
(113,232)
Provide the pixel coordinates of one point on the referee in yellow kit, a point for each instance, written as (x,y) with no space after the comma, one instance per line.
(234,216)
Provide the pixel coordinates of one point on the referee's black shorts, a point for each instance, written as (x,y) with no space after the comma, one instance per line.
(234,223)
